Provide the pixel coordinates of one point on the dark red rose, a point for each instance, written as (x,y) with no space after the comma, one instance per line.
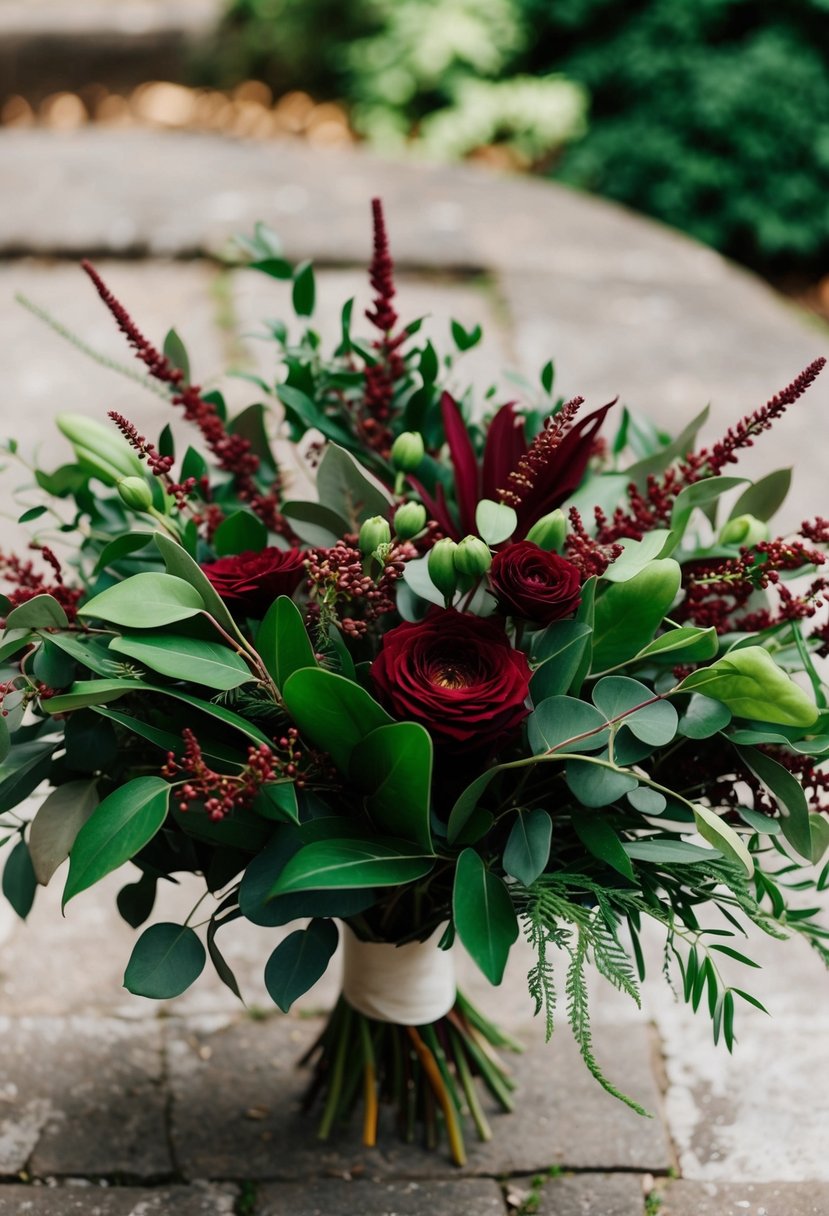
(533,584)
(250,582)
(456,675)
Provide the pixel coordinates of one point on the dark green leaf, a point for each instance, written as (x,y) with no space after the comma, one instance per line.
(283,642)
(789,795)
(566,724)
(31,514)
(23,770)
(135,901)
(277,801)
(528,845)
(599,838)
(240,532)
(304,290)
(165,961)
(350,490)
(220,963)
(122,547)
(703,717)
(276,268)
(118,828)
(654,723)
(145,601)
(647,801)
(299,961)
(19,881)
(56,824)
(185,658)
(180,564)
(393,764)
(483,915)
(250,425)
(329,864)
(314,523)
(40,612)
(175,351)
(560,649)
(628,614)
(332,712)
(52,665)
(594,785)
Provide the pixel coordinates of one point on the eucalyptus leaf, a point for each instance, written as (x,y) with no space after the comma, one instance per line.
(299,961)
(165,961)
(527,849)
(566,724)
(617,697)
(349,489)
(594,785)
(703,717)
(495,521)
(314,523)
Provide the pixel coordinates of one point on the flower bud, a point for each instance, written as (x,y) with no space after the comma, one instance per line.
(374,533)
(472,556)
(743,530)
(409,520)
(549,531)
(407,451)
(100,448)
(441,567)
(135,493)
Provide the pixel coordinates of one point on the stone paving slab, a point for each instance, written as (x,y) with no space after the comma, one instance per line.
(582,1194)
(91,1200)
(82,1096)
(326,1197)
(745,1199)
(237,1095)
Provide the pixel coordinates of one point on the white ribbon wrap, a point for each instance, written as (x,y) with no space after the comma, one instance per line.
(409,985)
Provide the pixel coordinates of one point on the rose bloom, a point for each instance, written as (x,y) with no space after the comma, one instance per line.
(455,674)
(250,582)
(535,585)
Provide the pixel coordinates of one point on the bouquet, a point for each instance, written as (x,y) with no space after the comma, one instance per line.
(497,675)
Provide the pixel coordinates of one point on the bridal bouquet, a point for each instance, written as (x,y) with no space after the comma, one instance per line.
(498,674)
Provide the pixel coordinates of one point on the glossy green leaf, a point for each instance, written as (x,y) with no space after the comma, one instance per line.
(636,555)
(627,615)
(483,915)
(145,601)
(240,532)
(40,612)
(495,521)
(560,649)
(185,658)
(722,836)
(90,692)
(118,828)
(393,764)
(465,812)
(89,651)
(304,292)
(684,645)
(261,908)
(179,563)
(566,724)
(750,684)
(594,785)
(599,838)
(278,801)
(19,882)
(527,849)
(165,961)
(299,961)
(136,900)
(332,712)
(329,864)
(788,794)
(283,642)
(56,824)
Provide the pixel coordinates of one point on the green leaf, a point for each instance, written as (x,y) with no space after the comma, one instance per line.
(165,961)
(122,547)
(19,882)
(789,795)
(118,828)
(175,351)
(250,425)
(57,823)
(259,907)
(751,685)
(184,658)
(314,523)
(636,555)
(329,864)
(566,724)
(495,521)
(654,724)
(350,490)
(276,268)
(527,849)
(560,649)
(40,612)
(684,645)
(699,494)
(299,961)
(303,414)
(180,564)
(463,813)
(703,717)
(87,650)
(675,450)
(136,900)
(465,339)
(483,915)
(332,712)
(90,692)
(241,532)
(5,739)
(145,601)
(32,514)
(393,764)
(304,291)
(594,785)
(668,852)
(764,498)
(820,837)
(647,801)
(599,838)
(52,665)
(277,800)
(627,615)
(26,765)
(723,837)
(282,641)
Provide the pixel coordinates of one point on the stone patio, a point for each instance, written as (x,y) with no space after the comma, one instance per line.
(110,1104)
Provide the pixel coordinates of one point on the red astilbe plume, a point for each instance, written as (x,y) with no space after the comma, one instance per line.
(233,452)
(26,582)
(159,465)
(536,460)
(587,554)
(652,507)
(381,376)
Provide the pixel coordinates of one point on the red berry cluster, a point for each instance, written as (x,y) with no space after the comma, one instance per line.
(339,585)
(587,554)
(222,793)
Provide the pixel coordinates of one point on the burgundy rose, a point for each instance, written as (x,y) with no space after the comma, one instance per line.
(456,675)
(533,584)
(250,582)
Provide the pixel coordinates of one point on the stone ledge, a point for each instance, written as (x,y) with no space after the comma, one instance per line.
(328,1197)
(745,1199)
(88,1199)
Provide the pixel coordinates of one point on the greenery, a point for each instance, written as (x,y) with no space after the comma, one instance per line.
(427,700)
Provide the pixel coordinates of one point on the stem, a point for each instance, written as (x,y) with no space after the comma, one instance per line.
(332,1101)
(369,1086)
(468,1083)
(430,1068)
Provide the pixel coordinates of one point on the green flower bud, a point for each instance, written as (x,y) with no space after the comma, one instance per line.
(744,530)
(549,531)
(409,520)
(100,448)
(135,493)
(472,556)
(441,567)
(407,451)
(374,533)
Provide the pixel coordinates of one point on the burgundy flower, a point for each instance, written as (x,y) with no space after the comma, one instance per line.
(250,582)
(535,585)
(455,674)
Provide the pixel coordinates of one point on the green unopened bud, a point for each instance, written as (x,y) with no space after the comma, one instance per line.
(472,556)
(407,451)
(100,448)
(744,530)
(374,533)
(441,567)
(409,520)
(549,531)
(135,493)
